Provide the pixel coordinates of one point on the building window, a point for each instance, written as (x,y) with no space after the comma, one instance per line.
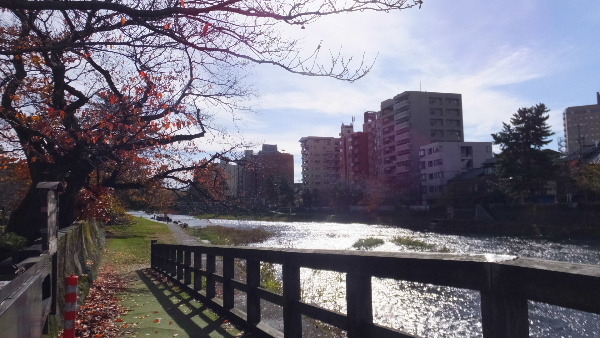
(435,100)
(453,112)
(436,122)
(430,176)
(439,175)
(455,102)
(423,177)
(422,164)
(435,111)
(437,133)
(439,161)
(430,164)
(437,149)
(454,133)
(453,123)
(422,152)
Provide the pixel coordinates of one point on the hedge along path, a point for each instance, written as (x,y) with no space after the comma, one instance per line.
(147,304)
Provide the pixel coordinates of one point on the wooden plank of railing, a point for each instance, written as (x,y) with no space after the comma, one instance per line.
(252,296)
(505,286)
(327,316)
(539,280)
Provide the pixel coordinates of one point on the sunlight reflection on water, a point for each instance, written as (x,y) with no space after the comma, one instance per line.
(424,309)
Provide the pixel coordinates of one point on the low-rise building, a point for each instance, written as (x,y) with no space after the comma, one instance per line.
(441,161)
(267,167)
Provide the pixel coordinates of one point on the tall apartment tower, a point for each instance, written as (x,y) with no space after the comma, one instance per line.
(354,155)
(320,162)
(582,126)
(405,123)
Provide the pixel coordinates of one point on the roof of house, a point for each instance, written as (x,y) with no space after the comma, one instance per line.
(467,175)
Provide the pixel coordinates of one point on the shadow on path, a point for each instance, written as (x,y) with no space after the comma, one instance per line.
(193,317)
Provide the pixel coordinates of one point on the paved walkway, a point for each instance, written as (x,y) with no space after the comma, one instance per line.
(181,236)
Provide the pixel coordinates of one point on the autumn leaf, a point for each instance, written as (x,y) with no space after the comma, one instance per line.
(123,21)
(168,26)
(205,28)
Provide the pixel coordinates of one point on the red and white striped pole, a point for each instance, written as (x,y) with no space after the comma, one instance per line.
(70,307)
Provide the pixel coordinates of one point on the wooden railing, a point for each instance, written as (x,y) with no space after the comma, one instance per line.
(505,285)
(25,301)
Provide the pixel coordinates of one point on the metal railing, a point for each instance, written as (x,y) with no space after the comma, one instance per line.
(505,285)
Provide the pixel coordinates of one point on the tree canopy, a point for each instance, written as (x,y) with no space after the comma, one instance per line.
(524,167)
(588,179)
(124,88)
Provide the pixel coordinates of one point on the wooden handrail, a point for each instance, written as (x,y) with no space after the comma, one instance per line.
(505,283)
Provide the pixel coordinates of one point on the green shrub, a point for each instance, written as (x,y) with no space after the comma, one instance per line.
(413,243)
(367,243)
(10,243)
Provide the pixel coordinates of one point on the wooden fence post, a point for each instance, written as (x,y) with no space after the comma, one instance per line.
(292,319)
(228,290)
(153,254)
(179,251)
(197,268)
(49,229)
(187,266)
(210,278)
(504,313)
(252,297)
(359,302)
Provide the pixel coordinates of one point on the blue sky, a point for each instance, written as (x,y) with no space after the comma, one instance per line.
(500,55)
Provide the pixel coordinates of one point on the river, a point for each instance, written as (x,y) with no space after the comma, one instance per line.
(424,309)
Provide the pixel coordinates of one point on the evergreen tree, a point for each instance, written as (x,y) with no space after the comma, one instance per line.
(524,168)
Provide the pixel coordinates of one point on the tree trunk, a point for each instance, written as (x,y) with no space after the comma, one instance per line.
(26,219)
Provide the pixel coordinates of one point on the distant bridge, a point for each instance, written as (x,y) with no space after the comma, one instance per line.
(505,285)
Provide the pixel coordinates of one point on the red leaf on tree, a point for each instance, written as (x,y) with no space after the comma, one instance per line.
(205,28)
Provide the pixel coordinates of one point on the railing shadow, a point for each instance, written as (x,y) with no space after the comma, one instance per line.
(195,323)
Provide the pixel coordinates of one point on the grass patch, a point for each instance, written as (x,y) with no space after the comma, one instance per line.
(417,244)
(269,279)
(367,243)
(222,235)
(130,244)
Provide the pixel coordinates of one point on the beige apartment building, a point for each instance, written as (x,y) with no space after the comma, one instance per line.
(582,126)
(320,161)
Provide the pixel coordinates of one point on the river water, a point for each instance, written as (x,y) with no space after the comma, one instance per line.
(424,309)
